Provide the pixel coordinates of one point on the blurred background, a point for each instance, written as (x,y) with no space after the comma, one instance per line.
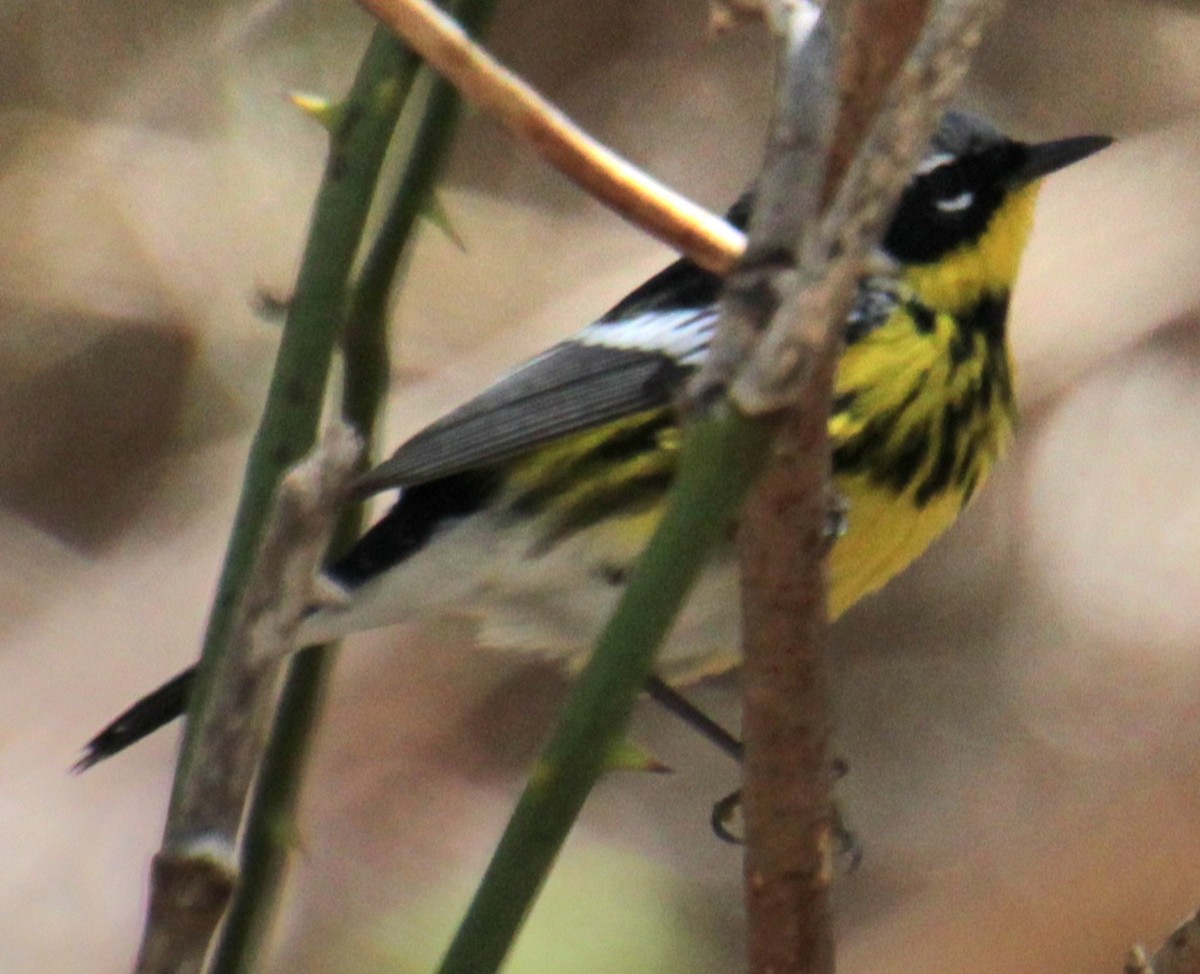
(1020,712)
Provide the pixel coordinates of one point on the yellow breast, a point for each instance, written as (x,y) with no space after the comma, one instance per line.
(924,407)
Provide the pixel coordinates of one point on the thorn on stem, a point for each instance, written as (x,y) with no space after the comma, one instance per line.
(320,109)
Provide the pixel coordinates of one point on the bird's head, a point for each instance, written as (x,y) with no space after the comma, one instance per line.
(963,221)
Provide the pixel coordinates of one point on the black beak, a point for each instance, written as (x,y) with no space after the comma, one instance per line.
(1043,158)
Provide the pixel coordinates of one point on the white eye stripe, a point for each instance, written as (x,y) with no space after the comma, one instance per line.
(956,204)
(935,161)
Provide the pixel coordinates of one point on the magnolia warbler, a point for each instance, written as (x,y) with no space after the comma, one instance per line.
(525,508)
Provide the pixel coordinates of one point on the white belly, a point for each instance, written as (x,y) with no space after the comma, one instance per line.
(552,603)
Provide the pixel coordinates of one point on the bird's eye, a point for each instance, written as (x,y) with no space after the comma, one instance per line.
(955,204)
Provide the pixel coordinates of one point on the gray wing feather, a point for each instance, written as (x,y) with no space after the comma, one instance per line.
(572,387)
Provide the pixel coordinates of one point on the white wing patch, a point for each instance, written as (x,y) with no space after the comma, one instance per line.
(682,333)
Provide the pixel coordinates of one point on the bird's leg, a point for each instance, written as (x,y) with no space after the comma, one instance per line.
(848,849)
(677,704)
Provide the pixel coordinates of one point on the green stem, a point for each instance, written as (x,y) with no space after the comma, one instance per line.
(358,141)
(269,831)
(296,394)
(270,828)
(365,340)
(722,455)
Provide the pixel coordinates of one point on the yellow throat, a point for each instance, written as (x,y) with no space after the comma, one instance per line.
(925,406)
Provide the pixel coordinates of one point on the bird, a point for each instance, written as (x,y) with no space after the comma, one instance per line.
(525,508)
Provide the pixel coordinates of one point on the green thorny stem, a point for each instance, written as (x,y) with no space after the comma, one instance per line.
(358,140)
(269,835)
(319,312)
(722,455)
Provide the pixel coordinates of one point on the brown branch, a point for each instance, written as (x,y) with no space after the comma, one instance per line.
(875,38)
(786,711)
(798,293)
(195,870)
(862,207)
(671,218)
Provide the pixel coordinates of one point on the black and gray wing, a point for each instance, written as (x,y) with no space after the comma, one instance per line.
(614,368)
(633,359)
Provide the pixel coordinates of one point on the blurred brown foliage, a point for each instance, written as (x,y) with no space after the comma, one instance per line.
(1019,711)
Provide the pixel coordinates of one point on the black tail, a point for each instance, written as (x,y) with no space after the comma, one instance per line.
(157,709)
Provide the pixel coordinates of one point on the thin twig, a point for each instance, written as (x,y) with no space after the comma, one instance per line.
(195,870)
(1179,953)
(788,194)
(724,15)
(661,212)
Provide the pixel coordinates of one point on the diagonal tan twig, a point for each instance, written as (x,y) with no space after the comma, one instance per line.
(660,211)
